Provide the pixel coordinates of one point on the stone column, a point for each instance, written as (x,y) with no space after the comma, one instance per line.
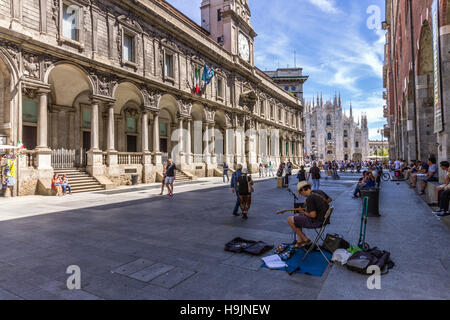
(146,155)
(157,156)
(94,126)
(111,134)
(188,142)
(213,144)
(43,153)
(180,141)
(112,160)
(144,132)
(42,119)
(207,155)
(225,145)
(95,156)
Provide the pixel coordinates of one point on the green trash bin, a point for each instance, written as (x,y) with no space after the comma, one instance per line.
(373,194)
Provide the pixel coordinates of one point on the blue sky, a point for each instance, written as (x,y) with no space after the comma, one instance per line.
(338,43)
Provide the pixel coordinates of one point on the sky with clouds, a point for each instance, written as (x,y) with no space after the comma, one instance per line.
(338,43)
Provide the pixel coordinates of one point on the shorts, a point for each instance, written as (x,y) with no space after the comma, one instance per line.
(432,179)
(169,180)
(302,221)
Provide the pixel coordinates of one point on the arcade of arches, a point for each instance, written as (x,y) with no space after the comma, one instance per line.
(134,131)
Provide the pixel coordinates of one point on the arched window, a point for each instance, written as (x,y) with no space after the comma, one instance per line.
(345,133)
(357,144)
(313,134)
(329,136)
(330,152)
(345,144)
(328,120)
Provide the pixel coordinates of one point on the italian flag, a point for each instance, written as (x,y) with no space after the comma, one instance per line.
(197,80)
(20,145)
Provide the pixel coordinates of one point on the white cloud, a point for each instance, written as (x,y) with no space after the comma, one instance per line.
(325,5)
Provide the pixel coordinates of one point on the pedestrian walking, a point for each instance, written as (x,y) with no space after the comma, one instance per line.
(234,188)
(266,170)
(261,170)
(170,176)
(271,169)
(245,189)
(301,175)
(315,175)
(286,176)
(225,172)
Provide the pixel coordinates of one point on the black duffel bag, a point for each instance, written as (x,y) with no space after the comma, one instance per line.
(333,242)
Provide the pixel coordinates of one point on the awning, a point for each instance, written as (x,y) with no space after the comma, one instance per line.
(6,147)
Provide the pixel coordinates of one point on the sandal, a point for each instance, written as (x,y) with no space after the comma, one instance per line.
(302,244)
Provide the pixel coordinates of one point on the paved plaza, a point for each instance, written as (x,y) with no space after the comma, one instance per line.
(132,243)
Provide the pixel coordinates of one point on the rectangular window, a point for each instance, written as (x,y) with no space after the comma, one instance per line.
(169,66)
(131,125)
(70,22)
(271,112)
(219,15)
(262,108)
(86,116)
(29,111)
(128,48)
(220,87)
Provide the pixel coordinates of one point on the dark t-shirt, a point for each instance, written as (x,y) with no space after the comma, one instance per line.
(301,175)
(315,172)
(323,194)
(316,203)
(170,172)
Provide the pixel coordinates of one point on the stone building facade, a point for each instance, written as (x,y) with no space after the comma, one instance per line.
(418,113)
(332,135)
(112,86)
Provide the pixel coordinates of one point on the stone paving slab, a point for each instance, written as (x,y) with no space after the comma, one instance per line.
(133,267)
(151,272)
(172,278)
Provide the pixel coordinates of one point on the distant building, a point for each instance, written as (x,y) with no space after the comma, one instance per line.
(332,135)
(289,79)
(376,147)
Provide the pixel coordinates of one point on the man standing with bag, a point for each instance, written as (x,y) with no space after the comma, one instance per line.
(234,188)
(315,175)
(245,190)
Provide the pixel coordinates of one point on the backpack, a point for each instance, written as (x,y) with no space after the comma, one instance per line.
(239,245)
(360,261)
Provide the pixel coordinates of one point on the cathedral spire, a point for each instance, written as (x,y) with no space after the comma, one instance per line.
(335,99)
(351,110)
(321,99)
(318,103)
(340,101)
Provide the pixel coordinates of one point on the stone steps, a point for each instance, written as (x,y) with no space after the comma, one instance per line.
(80,181)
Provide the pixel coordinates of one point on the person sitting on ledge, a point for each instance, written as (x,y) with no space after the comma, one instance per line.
(313,217)
(431,176)
(421,172)
(361,183)
(445,166)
